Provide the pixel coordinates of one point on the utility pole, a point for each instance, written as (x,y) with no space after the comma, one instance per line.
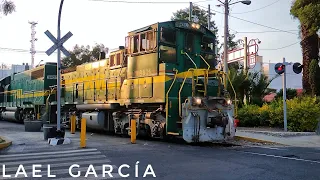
(33,39)
(226,29)
(284,96)
(245,63)
(190,12)
(245,56)
(209,16)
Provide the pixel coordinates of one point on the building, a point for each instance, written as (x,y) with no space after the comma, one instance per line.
(7,70)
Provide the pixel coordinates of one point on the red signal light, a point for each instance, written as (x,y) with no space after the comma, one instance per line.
(280,68)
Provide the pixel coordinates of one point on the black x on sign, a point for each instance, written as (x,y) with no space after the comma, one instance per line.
(58,44)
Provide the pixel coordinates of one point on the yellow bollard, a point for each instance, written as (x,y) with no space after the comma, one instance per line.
(83,133)
(133,131)
(73,124)
(38,116)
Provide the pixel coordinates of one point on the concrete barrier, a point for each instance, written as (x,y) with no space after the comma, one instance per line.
(32,126)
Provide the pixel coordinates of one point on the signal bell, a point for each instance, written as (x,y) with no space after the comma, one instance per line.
(279,68)
(297,68)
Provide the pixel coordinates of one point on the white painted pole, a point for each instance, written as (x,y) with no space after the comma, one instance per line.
(59,71)
(284,96)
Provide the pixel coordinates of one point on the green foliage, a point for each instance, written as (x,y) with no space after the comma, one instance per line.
(314,79)
(308,13)
(82,54)
(249,116)
(290,93)
(253,85)
(7,7)
(202,15)
(302,114)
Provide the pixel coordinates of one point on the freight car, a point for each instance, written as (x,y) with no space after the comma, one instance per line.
(164,77)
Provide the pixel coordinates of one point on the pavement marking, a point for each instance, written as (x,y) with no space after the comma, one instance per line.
(273,148)
(63,171)
(54,160)
(44,153)
(60,162)
(55,165)
(49,156)
(282,157)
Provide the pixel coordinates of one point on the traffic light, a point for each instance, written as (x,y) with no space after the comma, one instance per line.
(297,68)
(279,68)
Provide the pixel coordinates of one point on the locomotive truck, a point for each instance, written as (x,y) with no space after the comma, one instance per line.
(165,77)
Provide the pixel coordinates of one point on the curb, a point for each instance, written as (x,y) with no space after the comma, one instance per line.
(256,140)
(5,144)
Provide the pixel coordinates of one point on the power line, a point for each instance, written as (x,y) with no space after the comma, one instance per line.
(280,47)
(20,50)
(261,31)
(258,8)
(148,2)
(253,22)
(264,25)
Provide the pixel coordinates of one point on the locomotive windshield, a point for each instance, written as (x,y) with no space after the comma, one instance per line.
(207,48)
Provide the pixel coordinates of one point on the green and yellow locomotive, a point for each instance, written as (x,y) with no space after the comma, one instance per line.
(164,77)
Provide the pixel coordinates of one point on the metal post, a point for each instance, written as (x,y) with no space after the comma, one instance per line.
(225,62)
(83,133)
(190,12)
(209,16)
(133,131)
(73,124)
(58,70)
(284,96)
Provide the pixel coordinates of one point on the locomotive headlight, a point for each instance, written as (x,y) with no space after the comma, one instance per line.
(229,102)
(198,101)
(198,26)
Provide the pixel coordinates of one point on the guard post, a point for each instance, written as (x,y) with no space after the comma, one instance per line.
(83,133)
(133,131)
(73,123)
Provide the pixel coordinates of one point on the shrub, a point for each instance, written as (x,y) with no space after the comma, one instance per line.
(302,114)
(249,116)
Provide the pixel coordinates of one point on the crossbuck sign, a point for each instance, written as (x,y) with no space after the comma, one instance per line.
(58,44)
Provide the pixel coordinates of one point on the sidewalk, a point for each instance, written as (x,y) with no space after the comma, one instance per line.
(297,139)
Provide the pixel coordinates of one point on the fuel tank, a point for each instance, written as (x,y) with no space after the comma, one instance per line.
(94,120)
(10,115)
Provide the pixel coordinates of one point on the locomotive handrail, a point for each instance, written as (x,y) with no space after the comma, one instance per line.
(167,95)
(189,58)
(204,60)
(184,80)
(235,95)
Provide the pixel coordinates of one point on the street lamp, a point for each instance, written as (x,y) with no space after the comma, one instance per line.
(39,63)
(226,32)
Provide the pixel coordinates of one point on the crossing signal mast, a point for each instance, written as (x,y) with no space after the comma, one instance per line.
(280,68)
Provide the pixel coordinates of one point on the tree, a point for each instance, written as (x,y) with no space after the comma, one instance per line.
(290,93)
(7,7)
(252,85)
(314,77)
(83,54)
(202,15)
(308,13)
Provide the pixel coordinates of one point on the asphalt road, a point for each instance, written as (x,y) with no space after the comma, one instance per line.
(168,160)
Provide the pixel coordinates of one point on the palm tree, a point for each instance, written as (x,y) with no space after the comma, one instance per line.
(308,13)
(7,7)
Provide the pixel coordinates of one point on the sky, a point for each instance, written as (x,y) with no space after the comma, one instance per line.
(100,21)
